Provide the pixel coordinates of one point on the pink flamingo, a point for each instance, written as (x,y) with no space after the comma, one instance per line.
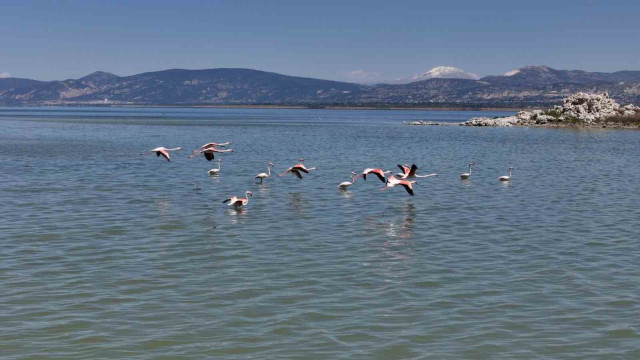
(346,184)
(392,182)
(209,152)
(377,172)
(161,151)
(410,172)
(297,169)
(263,176)
(506,177)
(238,202)
(210,145)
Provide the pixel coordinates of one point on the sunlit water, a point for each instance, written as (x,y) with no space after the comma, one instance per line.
(108,254)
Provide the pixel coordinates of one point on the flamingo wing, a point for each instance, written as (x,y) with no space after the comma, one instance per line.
(380,175)
(302,168)
(297,173)
(413,170)
(164,153)
(407,186)
(405,170)
(231,200)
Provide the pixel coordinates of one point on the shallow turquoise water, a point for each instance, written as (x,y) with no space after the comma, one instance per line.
(108,254)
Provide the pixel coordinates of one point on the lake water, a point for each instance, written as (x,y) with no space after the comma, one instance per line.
(107,254)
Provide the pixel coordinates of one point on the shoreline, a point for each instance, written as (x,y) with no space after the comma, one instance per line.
(544,126)
(283,107)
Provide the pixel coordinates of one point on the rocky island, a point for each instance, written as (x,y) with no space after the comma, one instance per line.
(578,110)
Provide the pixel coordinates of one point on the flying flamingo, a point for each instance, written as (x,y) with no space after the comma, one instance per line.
(297,168)
(210,145)
(209,152)
(410,172)
(263,176)
(392,182)
(346,184)
(505,177)
(161,151)
(237,202)
(465,176)
(377,172)
(215,172)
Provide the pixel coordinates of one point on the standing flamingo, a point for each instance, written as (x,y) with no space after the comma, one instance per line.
(465,176)
(209,152)
(215,172)
(263,176)
(410,172)
(297,169)
(392,182)
(377,172)
(346,184)
(505,177)
(237,202)
(161,151)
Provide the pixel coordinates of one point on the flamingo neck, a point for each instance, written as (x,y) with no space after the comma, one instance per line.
(470,167)
(268,170)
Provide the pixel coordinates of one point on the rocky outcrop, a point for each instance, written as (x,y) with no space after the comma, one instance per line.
(578,109)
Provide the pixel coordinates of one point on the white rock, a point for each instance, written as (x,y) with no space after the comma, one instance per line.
(588,108)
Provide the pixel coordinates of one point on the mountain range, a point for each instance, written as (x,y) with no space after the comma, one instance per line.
(524,87)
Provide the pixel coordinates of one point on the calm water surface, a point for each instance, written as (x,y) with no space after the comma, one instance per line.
(107,254)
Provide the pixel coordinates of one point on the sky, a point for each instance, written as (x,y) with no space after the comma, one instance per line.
(359,41)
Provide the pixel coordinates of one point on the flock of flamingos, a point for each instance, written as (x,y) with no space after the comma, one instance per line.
(408,172)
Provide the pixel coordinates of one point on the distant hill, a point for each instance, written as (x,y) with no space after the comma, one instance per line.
(16,83)
(527,86)
(184,87)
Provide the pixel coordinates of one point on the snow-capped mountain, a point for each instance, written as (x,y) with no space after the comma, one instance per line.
(438,72)
(444,72)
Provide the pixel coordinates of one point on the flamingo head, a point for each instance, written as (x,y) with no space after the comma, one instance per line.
(248,193)
(511,168)
(471,163)
(301,160)
(270,164)
(219,160)
(387,172)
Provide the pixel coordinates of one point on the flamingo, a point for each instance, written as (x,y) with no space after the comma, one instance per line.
(237,202)
(297,168)
(346,184)
(215,172)
(377,172)
(209,152)
(465,176)
(505,177)
(263,176)
(162,151)
(410,172)
(392,182)
(210,145)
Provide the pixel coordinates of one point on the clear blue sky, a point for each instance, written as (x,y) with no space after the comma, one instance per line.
(326,39)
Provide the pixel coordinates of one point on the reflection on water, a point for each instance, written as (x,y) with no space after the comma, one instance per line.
(298,203)
(162,206)
(101,259)
(264,188)
(394,224)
